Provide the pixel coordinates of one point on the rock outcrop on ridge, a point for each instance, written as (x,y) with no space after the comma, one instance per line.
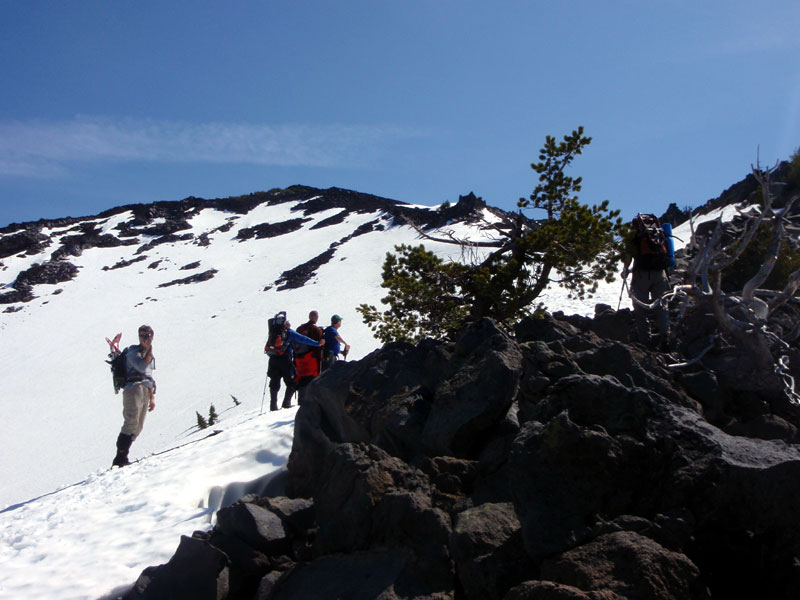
(558,464)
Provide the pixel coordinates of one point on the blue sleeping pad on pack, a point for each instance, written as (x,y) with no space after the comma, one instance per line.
(667,227)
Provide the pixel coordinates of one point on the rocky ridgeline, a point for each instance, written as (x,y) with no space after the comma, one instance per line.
(565,463)
(167,222)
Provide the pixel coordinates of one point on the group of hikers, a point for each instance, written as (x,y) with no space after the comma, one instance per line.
(296,357)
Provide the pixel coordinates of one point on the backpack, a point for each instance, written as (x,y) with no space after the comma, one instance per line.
(277,339)
(119,369)
(652,251)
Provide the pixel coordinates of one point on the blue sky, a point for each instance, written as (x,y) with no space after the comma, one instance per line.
(111,103)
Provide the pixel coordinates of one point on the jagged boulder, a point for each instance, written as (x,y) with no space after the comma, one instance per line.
(256,526)
(413,402)
(197,570)
(367,498)
(625,565)
(487,549)
(379,574)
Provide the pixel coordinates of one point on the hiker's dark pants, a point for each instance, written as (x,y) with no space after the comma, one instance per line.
(281,367)
(647,286)
(327,360)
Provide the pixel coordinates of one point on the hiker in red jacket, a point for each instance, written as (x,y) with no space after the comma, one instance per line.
(308,363)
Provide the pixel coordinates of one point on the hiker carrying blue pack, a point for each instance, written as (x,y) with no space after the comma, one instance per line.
(649,249)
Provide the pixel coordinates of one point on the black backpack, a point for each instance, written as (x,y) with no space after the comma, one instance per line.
(119,369)
(277,343)
(652,252)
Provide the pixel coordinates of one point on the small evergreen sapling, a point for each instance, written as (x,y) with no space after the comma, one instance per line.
(201,421)
(574,246)
(212,415)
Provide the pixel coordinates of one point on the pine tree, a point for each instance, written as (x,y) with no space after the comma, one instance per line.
(212,415)
(201,421)
(574,246)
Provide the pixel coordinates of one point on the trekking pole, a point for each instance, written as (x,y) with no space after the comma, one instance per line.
(263,395)
(624,285)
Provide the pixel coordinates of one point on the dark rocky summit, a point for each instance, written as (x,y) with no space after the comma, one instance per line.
(562,463)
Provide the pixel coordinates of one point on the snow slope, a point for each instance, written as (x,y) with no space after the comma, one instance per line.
(208,340)
(72,528)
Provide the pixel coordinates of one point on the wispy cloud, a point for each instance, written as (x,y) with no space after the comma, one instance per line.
(47,148)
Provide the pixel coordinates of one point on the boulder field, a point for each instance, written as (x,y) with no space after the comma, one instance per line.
(560,463)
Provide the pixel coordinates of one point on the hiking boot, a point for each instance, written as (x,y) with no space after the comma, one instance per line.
(287,398)
(124,441)
(273,400)
(120,461)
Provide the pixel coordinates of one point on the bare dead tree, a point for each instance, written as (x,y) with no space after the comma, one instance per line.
(744,317)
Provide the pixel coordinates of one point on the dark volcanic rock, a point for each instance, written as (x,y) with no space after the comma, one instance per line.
(270,230)
(197,570)
(411,401)
(24,294)
(204,276)
(560,464)
(487,550)
(165,239)
(334,220)
(365,575)
(54,271)
(254,525)
(30,241)
(301,274)
(625,565)
(367,498)
(89,237)
(674,215)
(125,263)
